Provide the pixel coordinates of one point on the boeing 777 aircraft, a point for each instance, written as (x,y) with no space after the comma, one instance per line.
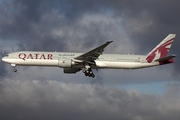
(94,59)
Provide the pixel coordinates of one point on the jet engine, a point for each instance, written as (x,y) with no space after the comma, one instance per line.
(66,63)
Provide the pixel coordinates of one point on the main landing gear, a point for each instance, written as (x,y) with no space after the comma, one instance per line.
(14,65)
(88,71)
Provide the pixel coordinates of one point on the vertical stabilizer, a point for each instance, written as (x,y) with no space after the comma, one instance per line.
(162,49)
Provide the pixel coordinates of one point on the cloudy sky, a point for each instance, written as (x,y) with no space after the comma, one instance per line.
(135,26)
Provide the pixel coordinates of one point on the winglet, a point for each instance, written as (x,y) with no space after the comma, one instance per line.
(109,42)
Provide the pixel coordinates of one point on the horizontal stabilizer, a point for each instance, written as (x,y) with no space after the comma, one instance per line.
(165,58)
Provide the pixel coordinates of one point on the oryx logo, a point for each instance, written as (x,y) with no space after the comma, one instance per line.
(160,51)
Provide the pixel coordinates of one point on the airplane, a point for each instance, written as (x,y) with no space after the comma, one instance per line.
(94,59)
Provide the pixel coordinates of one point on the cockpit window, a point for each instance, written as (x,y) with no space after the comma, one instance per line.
(7,55)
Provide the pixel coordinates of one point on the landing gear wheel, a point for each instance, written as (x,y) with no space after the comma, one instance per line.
(84,71)
(93,75)
(15,70)
(90,75)
(88,72)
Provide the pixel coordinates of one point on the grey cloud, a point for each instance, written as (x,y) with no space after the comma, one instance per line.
(30,14)
(31,24)
(57,100)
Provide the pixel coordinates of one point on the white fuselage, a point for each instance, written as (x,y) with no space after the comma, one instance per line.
(57,59)
(93,59)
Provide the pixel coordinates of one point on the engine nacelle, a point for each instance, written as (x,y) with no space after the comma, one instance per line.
(71,70)
(65,63)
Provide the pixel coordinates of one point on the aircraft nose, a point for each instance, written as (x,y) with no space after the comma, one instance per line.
(4,59)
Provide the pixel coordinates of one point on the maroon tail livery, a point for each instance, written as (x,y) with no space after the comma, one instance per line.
(159,53)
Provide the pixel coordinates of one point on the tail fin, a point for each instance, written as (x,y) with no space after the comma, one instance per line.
(162,49)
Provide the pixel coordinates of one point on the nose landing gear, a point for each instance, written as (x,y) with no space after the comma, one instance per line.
(15,70)
(14,65)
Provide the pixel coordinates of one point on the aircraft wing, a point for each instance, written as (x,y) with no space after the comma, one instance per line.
(93,54)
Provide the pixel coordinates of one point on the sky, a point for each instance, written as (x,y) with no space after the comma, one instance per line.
(135,27)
